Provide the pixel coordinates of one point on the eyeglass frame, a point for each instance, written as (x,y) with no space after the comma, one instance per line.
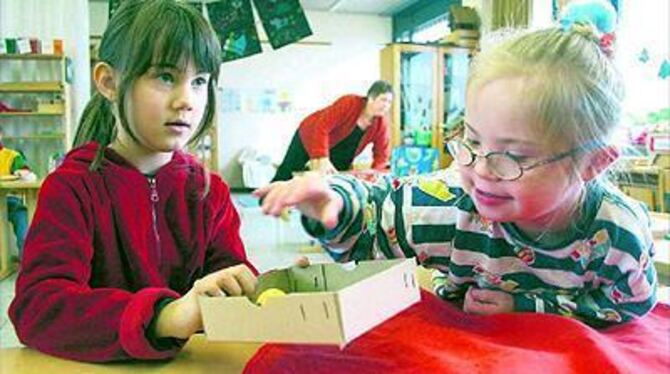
(474,156)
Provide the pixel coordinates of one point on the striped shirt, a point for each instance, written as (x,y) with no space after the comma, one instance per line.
(602,274)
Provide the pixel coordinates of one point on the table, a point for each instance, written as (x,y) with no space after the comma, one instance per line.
(198,356)
(660,227)
(29,192)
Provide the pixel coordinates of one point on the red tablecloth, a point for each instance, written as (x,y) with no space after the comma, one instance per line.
(436,337)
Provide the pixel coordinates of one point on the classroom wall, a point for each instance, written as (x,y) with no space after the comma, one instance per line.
(342,56)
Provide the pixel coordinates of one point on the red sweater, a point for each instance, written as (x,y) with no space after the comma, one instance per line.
(323,129)
(95,263)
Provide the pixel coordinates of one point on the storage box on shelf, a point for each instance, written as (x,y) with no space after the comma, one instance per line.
(34,107)
(646,180)
(429,88)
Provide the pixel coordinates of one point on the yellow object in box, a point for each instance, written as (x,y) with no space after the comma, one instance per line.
(50,108)
(269,293)
(324,303)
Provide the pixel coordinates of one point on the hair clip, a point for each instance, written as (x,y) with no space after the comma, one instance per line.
(606,43)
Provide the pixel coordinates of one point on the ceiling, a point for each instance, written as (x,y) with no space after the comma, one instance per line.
(377,7)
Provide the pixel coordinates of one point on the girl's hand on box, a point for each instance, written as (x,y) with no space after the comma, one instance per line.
(181,318)
(309,193)
(487,302)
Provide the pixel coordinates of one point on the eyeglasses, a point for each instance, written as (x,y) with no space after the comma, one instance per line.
(502,164)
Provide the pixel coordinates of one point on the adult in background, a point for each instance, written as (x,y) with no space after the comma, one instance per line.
(329,139)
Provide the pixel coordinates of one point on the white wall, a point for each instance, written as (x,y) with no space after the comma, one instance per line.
(64,19)
(99,14)
(313,75)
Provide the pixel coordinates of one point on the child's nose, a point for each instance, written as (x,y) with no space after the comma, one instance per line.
(183,99)
(481,167)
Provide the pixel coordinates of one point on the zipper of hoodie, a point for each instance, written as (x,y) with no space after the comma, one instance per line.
(154,200)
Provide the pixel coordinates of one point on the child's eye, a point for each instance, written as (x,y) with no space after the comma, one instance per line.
(522,159)
(471,142)
(165,77)
(200,81)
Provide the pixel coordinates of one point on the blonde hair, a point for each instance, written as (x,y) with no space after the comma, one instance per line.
(572,87)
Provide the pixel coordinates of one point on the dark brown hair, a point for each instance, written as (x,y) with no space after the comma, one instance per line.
(380,87)
(141,34)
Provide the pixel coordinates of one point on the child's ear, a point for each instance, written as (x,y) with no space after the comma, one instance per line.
(597,162)
(104,77)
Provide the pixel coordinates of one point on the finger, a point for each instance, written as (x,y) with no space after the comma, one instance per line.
(484,309)
(468,304)
(266,193)
(484,295)
(273,198)
(214,292)
(206,287)
(302,262)
(246,279)
(289,196)
(270,199)
(467,300)
(330,215)
(473,293)
(262,191)
(229,284)
(278,202)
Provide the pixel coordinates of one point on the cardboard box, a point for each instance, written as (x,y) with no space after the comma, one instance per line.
(325,303)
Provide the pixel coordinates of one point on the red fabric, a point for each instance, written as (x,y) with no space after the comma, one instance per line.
(434,336)
(94,266)
(323,129)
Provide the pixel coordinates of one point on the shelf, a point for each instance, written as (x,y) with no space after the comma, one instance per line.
(43,128)
(29,114)
(30,56)
(31,87)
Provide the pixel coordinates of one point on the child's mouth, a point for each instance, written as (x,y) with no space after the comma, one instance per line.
(488,198)
(178,124)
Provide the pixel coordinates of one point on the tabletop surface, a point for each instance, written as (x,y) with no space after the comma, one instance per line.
(18,184)
(198,356)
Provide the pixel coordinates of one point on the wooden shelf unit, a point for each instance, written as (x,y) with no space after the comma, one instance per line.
(26,82)
(440,73)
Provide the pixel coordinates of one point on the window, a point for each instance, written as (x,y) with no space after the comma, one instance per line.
(643,43)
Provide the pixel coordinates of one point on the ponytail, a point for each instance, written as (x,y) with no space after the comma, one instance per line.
(97,124)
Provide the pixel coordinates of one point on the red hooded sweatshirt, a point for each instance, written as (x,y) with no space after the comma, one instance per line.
(104,247)
(323,129)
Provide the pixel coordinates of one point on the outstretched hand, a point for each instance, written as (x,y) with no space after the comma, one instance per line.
(310,193)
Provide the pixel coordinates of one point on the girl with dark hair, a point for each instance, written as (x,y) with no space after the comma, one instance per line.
(130,229)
